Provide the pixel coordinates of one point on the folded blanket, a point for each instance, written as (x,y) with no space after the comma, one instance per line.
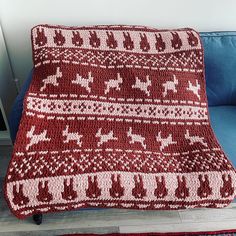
(116,116)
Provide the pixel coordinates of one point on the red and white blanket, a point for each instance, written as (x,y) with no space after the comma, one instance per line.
(116,116)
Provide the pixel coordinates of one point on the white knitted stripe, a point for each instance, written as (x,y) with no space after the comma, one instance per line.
(130,120)
(97,108)
(117,99)
(116,150)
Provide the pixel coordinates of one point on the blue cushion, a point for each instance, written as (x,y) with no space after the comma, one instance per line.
(17,108)
(223,121)
(220,63)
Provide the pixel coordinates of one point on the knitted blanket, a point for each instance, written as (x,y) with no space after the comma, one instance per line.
(116,116)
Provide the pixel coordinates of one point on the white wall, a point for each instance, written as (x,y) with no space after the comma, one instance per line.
(18,16)
(7,85)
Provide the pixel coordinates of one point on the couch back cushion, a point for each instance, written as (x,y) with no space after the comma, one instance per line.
(220,65)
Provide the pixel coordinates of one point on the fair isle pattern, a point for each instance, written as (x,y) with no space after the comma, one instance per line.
(116,38)
(116,116)
(89,107)
(186,61)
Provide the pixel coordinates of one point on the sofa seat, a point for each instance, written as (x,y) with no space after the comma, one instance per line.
(223,121)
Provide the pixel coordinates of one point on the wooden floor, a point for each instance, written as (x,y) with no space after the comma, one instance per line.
(113,220)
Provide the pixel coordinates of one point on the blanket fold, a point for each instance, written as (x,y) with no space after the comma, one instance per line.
(116,116)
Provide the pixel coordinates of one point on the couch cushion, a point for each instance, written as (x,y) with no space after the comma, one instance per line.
(220,62)
(17,108)
(223,121)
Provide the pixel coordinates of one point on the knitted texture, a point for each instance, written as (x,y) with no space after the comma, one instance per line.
(116,116)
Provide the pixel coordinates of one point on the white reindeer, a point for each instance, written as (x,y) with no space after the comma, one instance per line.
(84,82)
(36,138)
(113,84)
(104,137)
(52,79)
(194,139)
(170,85)
(71,136)
(165,142)
(194,89)
(143,86)
(136,138)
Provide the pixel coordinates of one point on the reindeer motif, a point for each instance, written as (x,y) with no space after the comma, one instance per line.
(71,136)
(40,39)
(161,190)
(182,191)
(144,44)
(192,39)
(59,39)
(43,192)
(176,41)
(94,40)
(104,137)
(113,84)
(93,191)
(160,44)
(204,190)
(128,43)
(76,39)
(18,195)
(194,139)
(116,191)
(227,189)
(83,82)
(138,191)
(111,42)
(143,86)
(136,138)
(52,79)
(69,193)
(165,142)
(170,85)
(36,138)
(194,89)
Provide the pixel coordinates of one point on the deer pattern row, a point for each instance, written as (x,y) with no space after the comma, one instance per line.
(143,85)
(104,137)
(117,189)
(112,43)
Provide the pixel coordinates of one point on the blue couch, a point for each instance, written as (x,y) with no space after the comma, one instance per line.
(220,62)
